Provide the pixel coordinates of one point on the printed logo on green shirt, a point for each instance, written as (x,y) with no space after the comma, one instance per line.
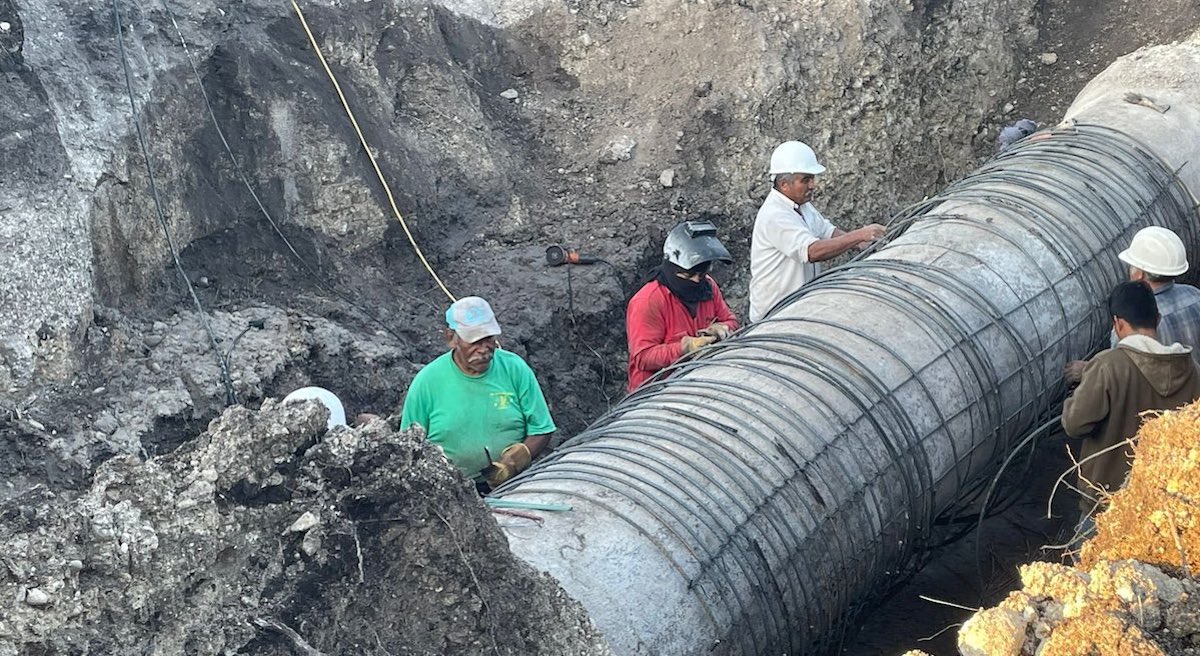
(502,400)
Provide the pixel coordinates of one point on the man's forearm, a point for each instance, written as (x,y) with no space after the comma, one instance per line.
(827,249)
(535,443)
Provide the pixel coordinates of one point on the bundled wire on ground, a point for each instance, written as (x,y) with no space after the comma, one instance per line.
(222,361)
(785,559)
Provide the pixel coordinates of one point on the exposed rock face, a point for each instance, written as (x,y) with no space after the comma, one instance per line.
(895,98)
(348,536)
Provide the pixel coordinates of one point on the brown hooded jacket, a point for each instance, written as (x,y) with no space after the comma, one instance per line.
(1118,385)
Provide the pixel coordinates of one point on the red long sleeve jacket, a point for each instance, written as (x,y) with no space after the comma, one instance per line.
(655,322)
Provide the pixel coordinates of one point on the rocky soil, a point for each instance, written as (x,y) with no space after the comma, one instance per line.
(1134,591)
(363,541)
(593,124)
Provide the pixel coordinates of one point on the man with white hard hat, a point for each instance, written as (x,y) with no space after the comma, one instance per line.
(1156,256)
(790,235)
(481,404)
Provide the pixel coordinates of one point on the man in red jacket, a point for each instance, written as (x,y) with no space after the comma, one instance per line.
(681,310)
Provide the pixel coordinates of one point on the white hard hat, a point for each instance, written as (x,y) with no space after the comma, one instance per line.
(1156,251)
(794,157)
(337,414)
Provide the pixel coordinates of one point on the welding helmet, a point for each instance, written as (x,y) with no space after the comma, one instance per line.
(693,243)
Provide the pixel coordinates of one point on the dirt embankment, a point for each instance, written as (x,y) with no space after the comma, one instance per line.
(594,124)
(1134,591)
(364,541)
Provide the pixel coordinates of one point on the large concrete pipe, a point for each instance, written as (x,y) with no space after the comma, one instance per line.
(742,504)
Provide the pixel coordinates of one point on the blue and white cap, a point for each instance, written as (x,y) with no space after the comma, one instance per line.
(472,318)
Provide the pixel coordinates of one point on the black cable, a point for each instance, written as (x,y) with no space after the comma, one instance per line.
(222,364)
(304,265)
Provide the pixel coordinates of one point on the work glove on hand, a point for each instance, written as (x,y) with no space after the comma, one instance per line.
(692,344)
(513,460)
(718,330)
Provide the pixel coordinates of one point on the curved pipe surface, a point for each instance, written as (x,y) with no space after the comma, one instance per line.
(744,502)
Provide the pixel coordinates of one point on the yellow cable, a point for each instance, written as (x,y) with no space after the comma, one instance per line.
(387,189)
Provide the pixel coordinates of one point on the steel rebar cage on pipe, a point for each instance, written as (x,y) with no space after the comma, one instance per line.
(741,502)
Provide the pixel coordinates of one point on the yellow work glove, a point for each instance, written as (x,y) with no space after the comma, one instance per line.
(692,344)
(513,460)
(718,330)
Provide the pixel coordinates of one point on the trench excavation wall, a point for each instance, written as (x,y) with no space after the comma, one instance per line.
(745,503)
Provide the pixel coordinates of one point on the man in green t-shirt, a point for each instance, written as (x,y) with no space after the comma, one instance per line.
(481,404)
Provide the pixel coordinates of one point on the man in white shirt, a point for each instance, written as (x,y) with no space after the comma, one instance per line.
(790,235)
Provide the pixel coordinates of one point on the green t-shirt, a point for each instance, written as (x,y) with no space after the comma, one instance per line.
(464,414)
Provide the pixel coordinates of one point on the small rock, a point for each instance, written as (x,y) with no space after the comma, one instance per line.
(1008,107)
(203,282)
(107,423)
(5,26)
(586,40)
(75,565)
(667,178)
(36,597)
(311,543)
(37,424)
(509,94)
(992,632)
(159,327)
(1049,58)
(619,149)
(152,340)
(303,523)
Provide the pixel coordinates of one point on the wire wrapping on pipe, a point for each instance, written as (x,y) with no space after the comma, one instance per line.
(788,472)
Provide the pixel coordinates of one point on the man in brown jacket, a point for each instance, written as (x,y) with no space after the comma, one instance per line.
(1119,384)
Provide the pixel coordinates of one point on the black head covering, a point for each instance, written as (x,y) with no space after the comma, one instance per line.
(690,293)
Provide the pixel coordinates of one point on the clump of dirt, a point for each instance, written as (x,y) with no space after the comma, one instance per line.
(363,541)
(1155,518)
(1133,592)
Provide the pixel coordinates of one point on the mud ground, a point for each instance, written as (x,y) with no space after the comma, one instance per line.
(979,568)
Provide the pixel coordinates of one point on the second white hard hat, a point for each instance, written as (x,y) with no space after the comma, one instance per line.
(337,414)
(794,157)
(1157,251)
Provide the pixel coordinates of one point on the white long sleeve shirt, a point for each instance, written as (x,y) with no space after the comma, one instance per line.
(779,263)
